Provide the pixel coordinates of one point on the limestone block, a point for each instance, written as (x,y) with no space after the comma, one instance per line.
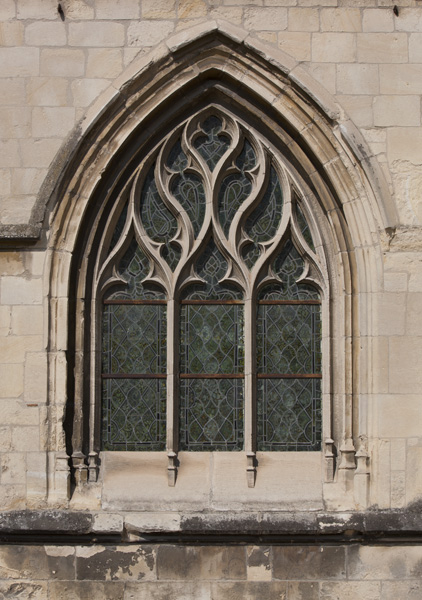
(37,562)
(34,262)
(107,523)
(47,91)
(36,378)
(27,181)
(62,62)
(5,182)
(7,9)
(118,9)
(201,562)
(156,522)
(16,209)
(345,19)
(101,563)
(405,371)
(192,9)
(397,110)
(19,62)
(319,3)
(238,590)
(173,590)
(398,489)
(148,33)
(11,263)
(258,563)
(333,47)
(11,377)
(12,92)
(45,34)
(394,422)
(5,315)
(377,20)
(415,48)
(87,590)
(105,63)
(357,79)
(309,562)
(409,590)
(359,108)
(303,19)
(325,74)
(52,121)
(383,562)
(401,79)
(233,14)
(27,320)
(85,91)
(13,348)
(391,314)
(78,9)
(296,44)
(9,153)
(350,590)
(16,412)
(158,9)
(396,282)
(303,590)
(403,143)
(102,34)
(398,454)
(39,153)
(414,314)
(16,290)
(36,474)
(5,438)
(13,468)
(37,9)
(414,474)
(11,33)
(410,20)
(26,439)
(382,47)
(265,19)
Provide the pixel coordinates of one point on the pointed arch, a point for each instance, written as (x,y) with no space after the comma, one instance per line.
(344,197)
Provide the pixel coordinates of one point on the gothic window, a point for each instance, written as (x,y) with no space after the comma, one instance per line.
(208,300)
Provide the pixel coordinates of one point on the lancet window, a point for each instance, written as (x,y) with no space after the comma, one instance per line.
(208,297)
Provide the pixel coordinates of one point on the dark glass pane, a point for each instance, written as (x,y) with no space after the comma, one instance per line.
(134,339)
(177,160)
(134,267)
(289,414)
(211,339)
(304,228)
(134,414)
(189,191)
(211,414)
(288,339)
(288,266)
(211,267)
(250,254)
(235,188)
(160,225)
(213,144)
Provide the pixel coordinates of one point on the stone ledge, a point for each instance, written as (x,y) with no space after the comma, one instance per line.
(280,527)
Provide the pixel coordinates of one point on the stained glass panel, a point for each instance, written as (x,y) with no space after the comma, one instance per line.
(288,339)
(211,339)
(213,144)
(289,414)
(134,414)
(211,414)
(304,228)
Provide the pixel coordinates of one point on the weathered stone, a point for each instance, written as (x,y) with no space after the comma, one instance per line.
(35,562)
(86,590)
(167,590)
(350,590)
(312,562)
(265,590)
(258,563)
(115,563)
(205,562)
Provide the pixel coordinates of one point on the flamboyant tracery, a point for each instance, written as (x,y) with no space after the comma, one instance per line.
(207,296)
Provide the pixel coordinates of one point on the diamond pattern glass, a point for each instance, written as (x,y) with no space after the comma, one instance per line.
(213,144)
(211,414)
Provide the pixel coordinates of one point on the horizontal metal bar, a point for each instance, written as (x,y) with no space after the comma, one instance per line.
(212,302)
(293,302)
(135,301)
(211,376)
(289,376)
(133,375)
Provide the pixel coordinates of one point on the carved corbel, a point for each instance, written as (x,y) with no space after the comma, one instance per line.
(251,469)
(172,468)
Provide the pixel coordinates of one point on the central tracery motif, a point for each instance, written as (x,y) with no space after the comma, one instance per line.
(211,321)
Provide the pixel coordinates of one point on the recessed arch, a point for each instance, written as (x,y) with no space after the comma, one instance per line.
(342,184)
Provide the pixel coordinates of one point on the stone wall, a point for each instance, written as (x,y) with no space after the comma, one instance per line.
(245,572)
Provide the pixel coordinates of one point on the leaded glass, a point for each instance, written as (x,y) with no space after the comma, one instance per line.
(288,339)
(119,228)
(211,339)
(289,414)
(134,338)
(213,144)
(212,267)
(304,228)
(288,266)
(211,414)
(236,188)
(160,225)
(134,414)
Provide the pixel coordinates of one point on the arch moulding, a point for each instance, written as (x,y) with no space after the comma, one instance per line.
(217,63)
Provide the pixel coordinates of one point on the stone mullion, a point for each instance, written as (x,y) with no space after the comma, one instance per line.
(250,389)
(173,311)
